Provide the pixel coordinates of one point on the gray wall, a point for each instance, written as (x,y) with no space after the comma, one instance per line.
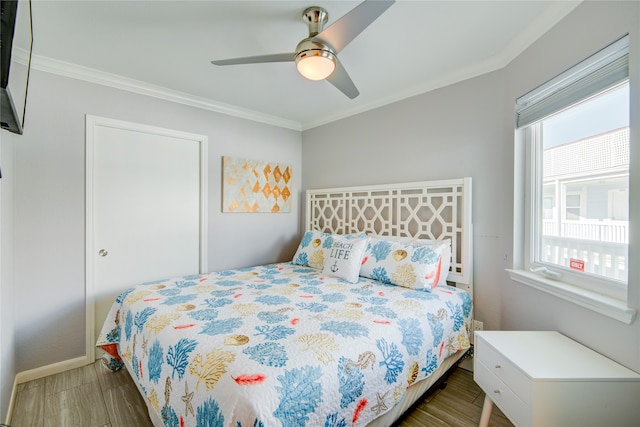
(439,135)
(7,341)
(467,129)
(49,203)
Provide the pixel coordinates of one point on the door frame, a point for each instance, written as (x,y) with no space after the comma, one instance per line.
(91,123)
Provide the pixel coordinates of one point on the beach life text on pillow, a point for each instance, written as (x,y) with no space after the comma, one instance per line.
(315,246)
(345,257)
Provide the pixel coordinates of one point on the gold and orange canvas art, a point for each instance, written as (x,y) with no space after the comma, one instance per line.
(255,186)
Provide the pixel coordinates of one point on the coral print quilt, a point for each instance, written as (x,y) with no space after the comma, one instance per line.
(280,345)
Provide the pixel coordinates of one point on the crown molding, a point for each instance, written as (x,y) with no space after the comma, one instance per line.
(525,39)
(503,58)
(437,82)
(74,71)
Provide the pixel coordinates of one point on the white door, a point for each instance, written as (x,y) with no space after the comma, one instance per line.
(144,210)
(619,204)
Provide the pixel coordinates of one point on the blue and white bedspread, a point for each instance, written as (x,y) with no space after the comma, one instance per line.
(281,345)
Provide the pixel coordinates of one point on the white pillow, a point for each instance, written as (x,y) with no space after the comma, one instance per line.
(442,246)
(314,248)
(345,257)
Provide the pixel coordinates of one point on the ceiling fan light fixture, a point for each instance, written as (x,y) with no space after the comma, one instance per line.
(316,64)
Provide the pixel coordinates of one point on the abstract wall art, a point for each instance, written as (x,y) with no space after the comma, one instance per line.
(255,186)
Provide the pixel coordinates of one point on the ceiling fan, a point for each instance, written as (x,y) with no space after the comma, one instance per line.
(316,56)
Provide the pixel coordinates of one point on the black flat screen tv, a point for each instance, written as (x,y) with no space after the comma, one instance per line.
(16,40)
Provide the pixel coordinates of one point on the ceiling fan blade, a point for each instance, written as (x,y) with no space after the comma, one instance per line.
(344,30)
(341,80)
(276,57)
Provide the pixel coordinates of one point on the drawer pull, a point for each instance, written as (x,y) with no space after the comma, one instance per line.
(498,366)
(497,391)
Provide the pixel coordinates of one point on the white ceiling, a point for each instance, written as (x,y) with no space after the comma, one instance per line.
(164,48)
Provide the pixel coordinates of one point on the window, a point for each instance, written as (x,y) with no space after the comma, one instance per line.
(585,164)
(572,206)
(576,204)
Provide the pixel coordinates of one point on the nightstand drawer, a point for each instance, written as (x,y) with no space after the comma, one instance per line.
(514,408)
(505,370)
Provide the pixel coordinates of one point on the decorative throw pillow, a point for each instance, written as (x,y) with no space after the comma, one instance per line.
(310,252)
(314,248)
(415,267)
(345,257)
(443,247)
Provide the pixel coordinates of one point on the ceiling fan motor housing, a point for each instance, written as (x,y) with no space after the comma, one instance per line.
(311,48)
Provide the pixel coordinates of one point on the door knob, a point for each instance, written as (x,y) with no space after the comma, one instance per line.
(103,252)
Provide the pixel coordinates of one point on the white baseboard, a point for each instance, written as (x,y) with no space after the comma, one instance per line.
(12,399)
(44,371)
(54,368)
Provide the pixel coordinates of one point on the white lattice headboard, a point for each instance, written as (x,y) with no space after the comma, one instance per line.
(433,210)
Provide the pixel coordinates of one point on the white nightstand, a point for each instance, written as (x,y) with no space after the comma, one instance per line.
(546,379)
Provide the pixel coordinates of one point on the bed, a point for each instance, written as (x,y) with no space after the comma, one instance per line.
(374,307)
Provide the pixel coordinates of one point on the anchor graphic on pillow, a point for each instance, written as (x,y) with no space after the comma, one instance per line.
(335,267)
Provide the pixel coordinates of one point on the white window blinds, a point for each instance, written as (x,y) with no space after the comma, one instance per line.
(598,72)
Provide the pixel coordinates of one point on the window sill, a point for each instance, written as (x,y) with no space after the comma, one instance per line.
(604,305)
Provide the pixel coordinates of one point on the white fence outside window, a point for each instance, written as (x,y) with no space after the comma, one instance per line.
(601,231)
(602,246)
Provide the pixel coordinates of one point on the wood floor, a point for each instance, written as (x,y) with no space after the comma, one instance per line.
(93,396)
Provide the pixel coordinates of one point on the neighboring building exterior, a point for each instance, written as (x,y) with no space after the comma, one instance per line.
(586,202)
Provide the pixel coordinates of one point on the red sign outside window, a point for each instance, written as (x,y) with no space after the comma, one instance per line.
(576,264)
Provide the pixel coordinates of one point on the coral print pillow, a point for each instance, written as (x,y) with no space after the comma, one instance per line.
(443,247)
(315,247)
(345,258)
(415,267)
